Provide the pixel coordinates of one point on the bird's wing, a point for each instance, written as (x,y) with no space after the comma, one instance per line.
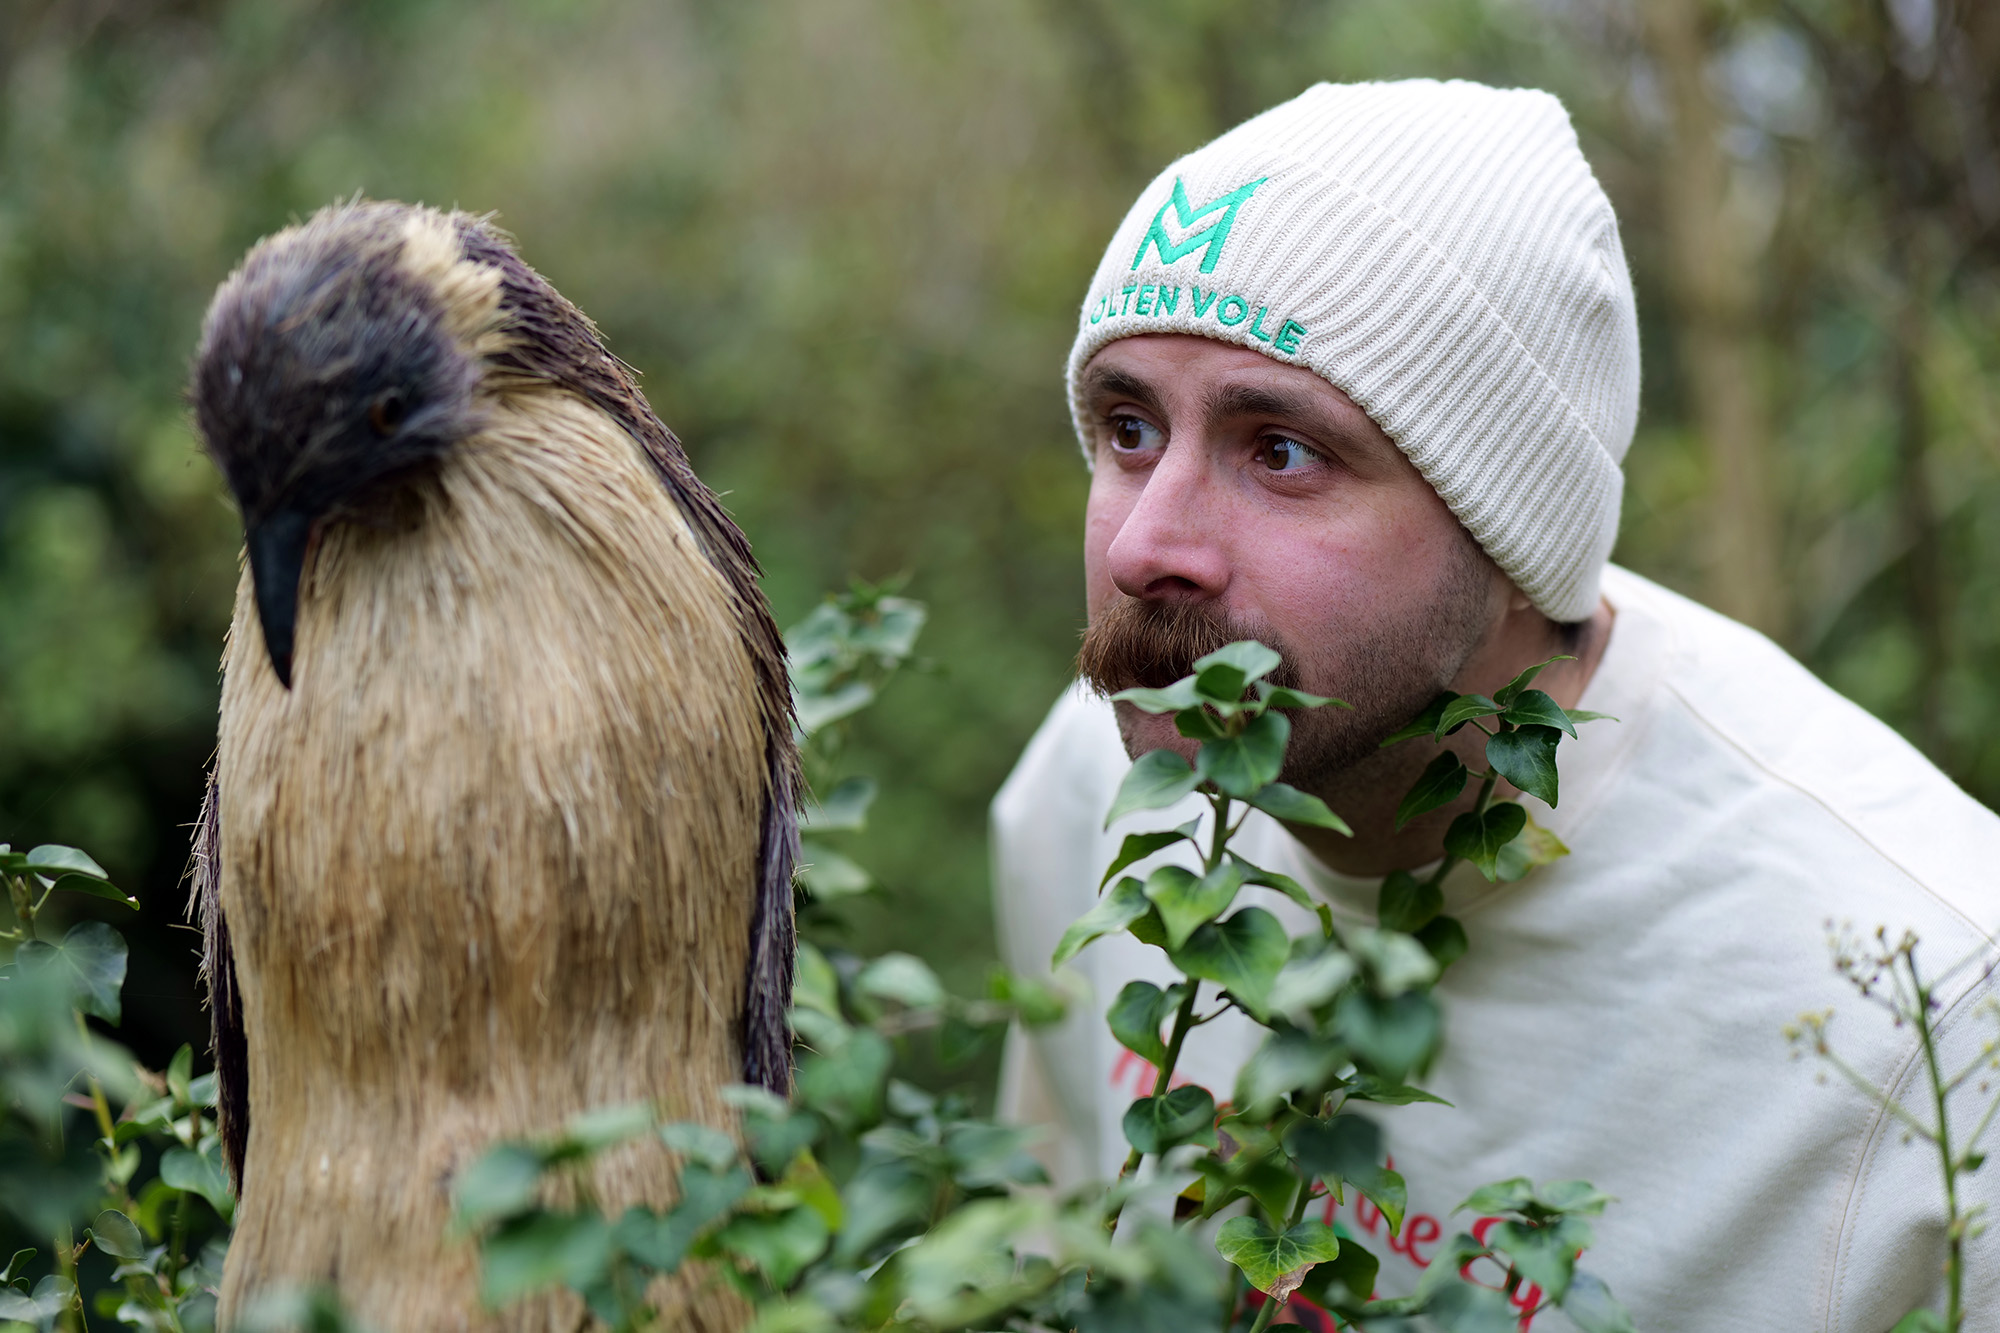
(218,970)
(560,345)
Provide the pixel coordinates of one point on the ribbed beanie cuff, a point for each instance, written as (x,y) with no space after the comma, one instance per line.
(1441,253)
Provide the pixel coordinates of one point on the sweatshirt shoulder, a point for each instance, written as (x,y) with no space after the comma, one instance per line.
(1072,764)
(1790,728)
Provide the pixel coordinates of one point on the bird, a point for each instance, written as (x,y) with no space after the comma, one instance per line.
(502,817)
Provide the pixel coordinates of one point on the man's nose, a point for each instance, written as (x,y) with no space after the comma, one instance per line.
(1168,548)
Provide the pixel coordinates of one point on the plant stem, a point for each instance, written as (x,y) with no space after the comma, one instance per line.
(1183,1024)
(1265,1314)
(1954,1315)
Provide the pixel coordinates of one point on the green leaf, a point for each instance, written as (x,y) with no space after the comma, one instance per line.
(661,1241)
(1512,690)
(1309,981)
(1285,884)
(699,1143)
(501,1182)
(1157,778)
(1243,955)
(1395,962)
(1242,764)
(17,1265)
(817,985)
(96,888)
(1349,1148)
(602,1127)
(1175,698)
(1347,1279)
(829,875)
(1526,757)
(1288,803)
(1139,846)
(845,807)
(1395,1035)
(1286,1062)
(1381,1091)
(1438,785)
(1466,1307)
(1247,657)
(541,1250)
(1478,837)
(1445,939)
(779,1244)
(1137,1015)
(846,1086)
(1265,1254)
(179,1070)
(1407,903)
(818,710)
(1545,1255)
(1585,715)
(117,1235)
(1462,710)
(200,1173)
(91,961)
(1592,1307)
(1513,1195)
(1423,724)
(1535,709)
(1180,1115)
(1199,724)
(903,978)
(1117,909)
(51,861)
(1187,903)
(1916,1321)
(1532,846)
(1279,696)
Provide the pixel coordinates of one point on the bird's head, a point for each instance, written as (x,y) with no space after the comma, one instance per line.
(337,364)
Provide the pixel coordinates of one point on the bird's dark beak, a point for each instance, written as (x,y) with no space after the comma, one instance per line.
(277,545)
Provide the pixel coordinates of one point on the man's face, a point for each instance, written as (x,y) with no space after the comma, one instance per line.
(1237,497)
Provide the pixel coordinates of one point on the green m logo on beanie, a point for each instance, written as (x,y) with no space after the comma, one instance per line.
(1214,236)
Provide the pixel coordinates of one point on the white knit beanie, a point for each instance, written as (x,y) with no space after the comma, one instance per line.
(1441,253)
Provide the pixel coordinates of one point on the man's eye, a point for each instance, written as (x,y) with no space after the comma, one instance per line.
(1130,435)
(1284,455)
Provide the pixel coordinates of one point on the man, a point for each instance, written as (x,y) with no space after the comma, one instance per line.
(1356,379)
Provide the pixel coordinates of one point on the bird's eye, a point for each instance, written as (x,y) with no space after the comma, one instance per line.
(386,413)
(1131,435)
(1279,453)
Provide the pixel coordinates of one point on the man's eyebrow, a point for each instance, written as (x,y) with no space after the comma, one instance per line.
(1246,400)
(1110,382)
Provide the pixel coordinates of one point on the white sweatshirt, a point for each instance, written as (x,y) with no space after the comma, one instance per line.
(1618,1017)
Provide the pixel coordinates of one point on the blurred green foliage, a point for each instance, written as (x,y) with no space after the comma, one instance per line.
(845,240)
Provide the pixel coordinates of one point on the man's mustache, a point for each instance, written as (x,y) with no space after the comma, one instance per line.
(1134,643)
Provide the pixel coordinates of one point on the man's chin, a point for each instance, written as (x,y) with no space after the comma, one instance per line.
(1151,731)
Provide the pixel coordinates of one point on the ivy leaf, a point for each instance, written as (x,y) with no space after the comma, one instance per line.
(1199,724)
(1352,1271)
(200,1173)
(1187,903)
(1266,1254)
(661,1241)
(1139,846)
(1287,1061)
(1585,715)
(1288,803)
(91,962)
(780,1245)
(1478,837)
(1395,1034)
(1285,884)
(1545,1255)
(1173,699)
(1157,778)
(1535,709)
(1423,724)
(1349,1148)
(1526,757)
(1407,903)
(1512,690)
(1305,983)
(1439,784)
(1467,1307)
(1462,710)
(1246,658)
(541,1250)
(1240,765)
(50,861)
(1369,1088)
(1532,846)
(499,1184)
(1137,1015)
(117,1235)
(1181,1115)
(1592,1307)
(903,978)
(1445,940)
(1242,955)
(829,875)
(1124,904)
(1281,696)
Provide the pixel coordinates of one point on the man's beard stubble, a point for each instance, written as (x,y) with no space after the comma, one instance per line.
(1387,676)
